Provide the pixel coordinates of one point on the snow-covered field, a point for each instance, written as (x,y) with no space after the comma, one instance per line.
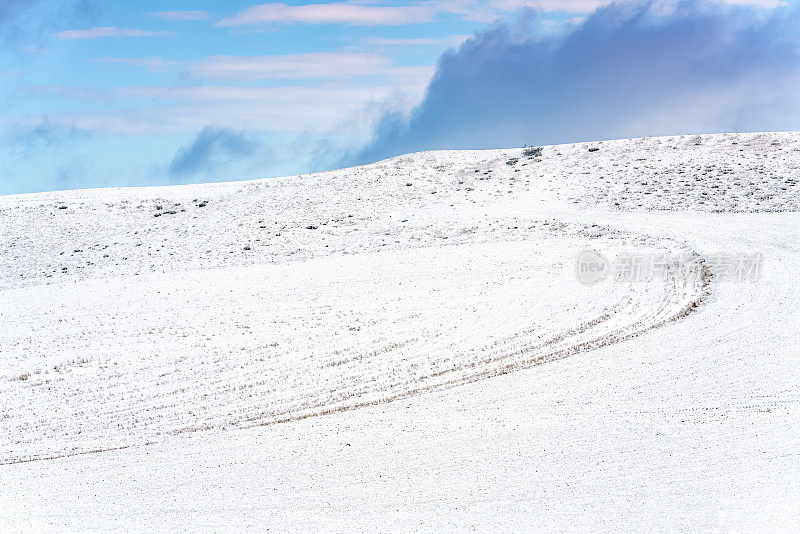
(405,346)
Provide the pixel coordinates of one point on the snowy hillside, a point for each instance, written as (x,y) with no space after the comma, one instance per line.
(406,346)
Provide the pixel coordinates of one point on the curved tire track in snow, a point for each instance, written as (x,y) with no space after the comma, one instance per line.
(153,357)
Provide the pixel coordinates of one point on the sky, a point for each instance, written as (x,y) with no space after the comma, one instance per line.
(98,93)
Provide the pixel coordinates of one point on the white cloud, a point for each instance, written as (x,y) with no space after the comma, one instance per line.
(587,6)
(452,40)
(183,15)
(62,91)
(369,14)
(569,6)
(411,76)
(333,13)
(401,42)
(109,31)
(322,65)
(468,9)
(291,66)
(767,4)
(293,109)
(301,95)
(153,64)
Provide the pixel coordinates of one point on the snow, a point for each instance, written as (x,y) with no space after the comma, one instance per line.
(402,357)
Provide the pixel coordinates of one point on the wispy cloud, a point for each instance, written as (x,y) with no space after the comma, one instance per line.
(293,96)
(48,91)
(567,6)
(368,14)
(24,24)
(152,64)
(333,13)
(452,40)
(44,133)
(587,6)
(183,15)
(110,31)
(311,66)
(361,14)
(768,4)
(376,14)
(211,147)
(412,75)
(292,110)
(291,66)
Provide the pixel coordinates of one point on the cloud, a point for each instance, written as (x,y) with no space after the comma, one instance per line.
(452,40)
(284,110)
(402,42)
(307,66)
(627,70)
(291,66)
(491,10)
(45,133)
(47,91)
(767,4)
(333,13)
(23,23)
(183,15)
(567,6)
(211,147)
(109,31)
(283,96)
(152,64)
(366,14)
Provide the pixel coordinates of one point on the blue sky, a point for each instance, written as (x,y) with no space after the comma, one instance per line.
(100,93)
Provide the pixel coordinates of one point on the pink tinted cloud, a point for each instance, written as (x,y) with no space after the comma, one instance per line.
(334,13)
(183,15)
(109,31)
(291,66)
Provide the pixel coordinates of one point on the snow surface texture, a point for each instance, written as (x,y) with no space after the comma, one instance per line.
(192,333)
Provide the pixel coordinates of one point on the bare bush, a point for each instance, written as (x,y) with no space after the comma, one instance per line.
(532,151)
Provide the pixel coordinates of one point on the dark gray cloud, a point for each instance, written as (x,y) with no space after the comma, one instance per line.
(212,147)
(628,70)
